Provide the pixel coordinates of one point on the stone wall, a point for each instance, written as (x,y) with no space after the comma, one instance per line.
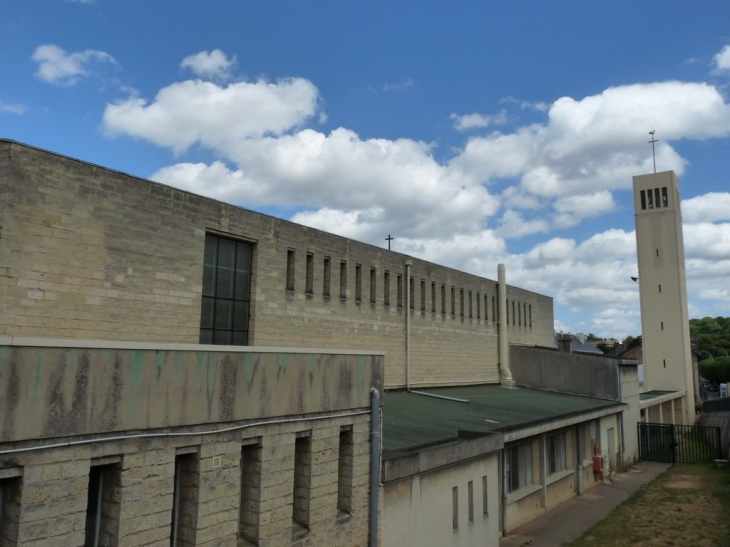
(91,253)
(146,432)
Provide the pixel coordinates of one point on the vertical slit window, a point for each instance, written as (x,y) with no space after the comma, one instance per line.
(344,471)
(470,500)
(519,314)
(470,306)
(665,363)
(660,288)
(326,276)
(657,199)
(399,290)
(665,197)
(486,305)
(423,295)
(343,279)
(386,288)
(453,302)
(455,507)
(250,502)
(373,282)
(443,299)
(649,199)
(103,506)
(226,298)
(513,312)
(494,310)
(642,196)
(461,303)
(185,501)
(507,303)
(302,482)
(662,325)
(10,488)
(290,263)
(524,315)
(530,310)
(485,495)
(433,297)
(412,293)
(479,307)
(358,282)
(309,288)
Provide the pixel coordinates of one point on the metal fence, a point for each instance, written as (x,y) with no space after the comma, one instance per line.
(670,443)
(717,405)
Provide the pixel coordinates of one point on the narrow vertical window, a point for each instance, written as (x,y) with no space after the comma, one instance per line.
(657,252)
(185,500)
(662,325)
(309,289)
(470,500)
(433,297)
(423,295)
(642,195)
(373,280)
(657,199)
(302,482)
(513,312)
(507,303)
(479,307)
(358,282)
(10,486)
(524,314)
(649,199)
(470,306)
(461,303)
(665,363)
(455,507)
(665,197)
(344,472)
(486,306)
(412,293)
(530,310)
(226,298)
(399,290)
(485,495)
(660,288)
(494,310)
(519,314)
(343,279)
(290,260)
(453,301)
(103,505)
(250,502)
(443,299)
(326,275)
(386,288)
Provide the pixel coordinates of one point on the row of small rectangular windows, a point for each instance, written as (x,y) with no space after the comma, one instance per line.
(103,507)
(521,312)
(469,501)
(655,199)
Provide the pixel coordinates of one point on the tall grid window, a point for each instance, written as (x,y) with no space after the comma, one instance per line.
(519,467)
(226,291)
(556,453)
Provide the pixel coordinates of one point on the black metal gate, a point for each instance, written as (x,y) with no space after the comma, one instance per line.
(670,443)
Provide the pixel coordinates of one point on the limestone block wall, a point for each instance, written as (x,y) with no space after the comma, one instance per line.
(91,253)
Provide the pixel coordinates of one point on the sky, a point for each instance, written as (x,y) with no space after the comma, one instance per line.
(476,133)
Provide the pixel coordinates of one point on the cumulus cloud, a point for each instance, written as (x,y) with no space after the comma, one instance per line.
(721,60)
(214,65)
(217,117)
(10,108)
(473,121)
(57,67)
(707,208)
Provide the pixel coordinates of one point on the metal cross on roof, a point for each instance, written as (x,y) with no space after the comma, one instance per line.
(389,239)
(652,141)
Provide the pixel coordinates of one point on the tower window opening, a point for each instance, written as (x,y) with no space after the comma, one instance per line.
(642,196)
(665,197)
(657,201)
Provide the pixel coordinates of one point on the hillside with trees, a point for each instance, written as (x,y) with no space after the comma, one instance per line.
(712,338)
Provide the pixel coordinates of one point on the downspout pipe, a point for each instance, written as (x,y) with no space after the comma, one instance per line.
(504,492)
(504,372)
(374,464)
(578,460)
(408,324)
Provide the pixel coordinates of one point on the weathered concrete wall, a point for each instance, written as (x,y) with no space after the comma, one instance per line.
(67,409)
(630,394)
(419,510)
(50,391)
(90,253)
(721,420)
(546,368)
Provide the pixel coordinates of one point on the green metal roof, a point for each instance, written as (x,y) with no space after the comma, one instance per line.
(413,422)
(653,394)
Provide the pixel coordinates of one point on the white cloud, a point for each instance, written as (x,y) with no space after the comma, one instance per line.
(573,209)
(513,225)
(16,108)
(217,117)
(473,121)
(57,67)
(214,65)
(405,85)
(707,208)
(722,59)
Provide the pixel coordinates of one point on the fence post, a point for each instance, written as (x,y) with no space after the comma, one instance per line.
(674,444)
(719,443)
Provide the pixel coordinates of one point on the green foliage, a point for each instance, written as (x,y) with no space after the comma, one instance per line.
(711,334)
(631,342)
(715,370)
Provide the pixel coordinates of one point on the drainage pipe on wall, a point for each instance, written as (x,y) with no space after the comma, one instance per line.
(504,492)
(408,324)
(579,460)
(504,371)
(374,464)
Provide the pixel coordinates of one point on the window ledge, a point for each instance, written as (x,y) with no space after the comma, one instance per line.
(555,477)
(517,495)
(343,517)
(298,531)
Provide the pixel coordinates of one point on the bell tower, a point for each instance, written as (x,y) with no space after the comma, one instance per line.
(663,290)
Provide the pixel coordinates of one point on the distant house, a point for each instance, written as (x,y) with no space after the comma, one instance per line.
(579,343)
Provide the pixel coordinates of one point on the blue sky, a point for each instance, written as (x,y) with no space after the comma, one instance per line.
(474,132)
